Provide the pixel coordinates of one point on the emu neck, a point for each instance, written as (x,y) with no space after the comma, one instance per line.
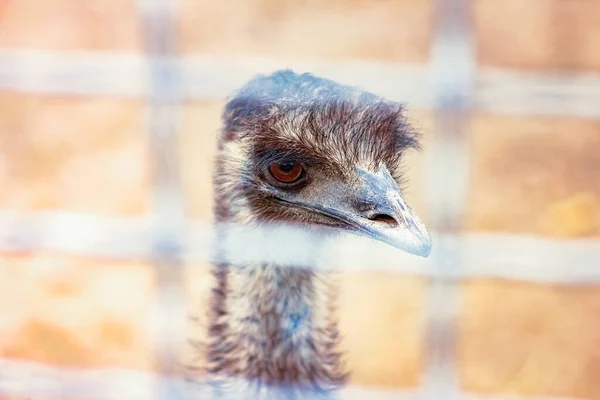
(272,326)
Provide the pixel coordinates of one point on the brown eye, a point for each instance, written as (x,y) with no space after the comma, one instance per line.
(286,173)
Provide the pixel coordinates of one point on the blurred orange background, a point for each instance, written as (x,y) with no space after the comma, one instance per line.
(528,174)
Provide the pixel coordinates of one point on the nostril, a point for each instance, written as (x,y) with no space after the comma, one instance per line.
(386,219)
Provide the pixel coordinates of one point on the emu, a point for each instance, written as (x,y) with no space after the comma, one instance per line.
(306,150)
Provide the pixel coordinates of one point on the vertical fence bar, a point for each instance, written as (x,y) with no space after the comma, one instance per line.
(452,76)
(158,18)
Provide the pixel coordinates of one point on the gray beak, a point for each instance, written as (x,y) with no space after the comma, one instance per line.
(372,205)
(381,213)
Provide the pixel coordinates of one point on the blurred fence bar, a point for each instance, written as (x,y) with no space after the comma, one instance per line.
(452,69)
(29,380)
(212,77)
(495,255)
(158,19)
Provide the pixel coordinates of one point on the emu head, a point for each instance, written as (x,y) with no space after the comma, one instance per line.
(301,149)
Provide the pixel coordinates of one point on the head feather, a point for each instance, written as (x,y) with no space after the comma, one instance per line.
(318,118)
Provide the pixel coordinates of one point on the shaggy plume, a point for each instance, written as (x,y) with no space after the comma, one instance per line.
(318,119)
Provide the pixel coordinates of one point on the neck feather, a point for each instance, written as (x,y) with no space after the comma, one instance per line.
(270,326)
(273,326)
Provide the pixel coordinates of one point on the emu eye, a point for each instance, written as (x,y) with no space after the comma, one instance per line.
(286,172)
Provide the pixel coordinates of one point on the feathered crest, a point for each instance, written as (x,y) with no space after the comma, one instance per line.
(318,118)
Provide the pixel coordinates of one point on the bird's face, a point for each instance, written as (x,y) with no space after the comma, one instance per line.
(360,199)
(329,165)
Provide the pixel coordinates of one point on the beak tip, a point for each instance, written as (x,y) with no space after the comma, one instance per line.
(423,247)
(426,250)
(418,246)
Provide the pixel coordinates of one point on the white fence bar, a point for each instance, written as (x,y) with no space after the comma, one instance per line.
(452,74)
(485,255)
(33,380)
(212,77)
(159,19)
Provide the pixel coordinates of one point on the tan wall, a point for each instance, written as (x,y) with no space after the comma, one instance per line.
(525,34)
(528,175)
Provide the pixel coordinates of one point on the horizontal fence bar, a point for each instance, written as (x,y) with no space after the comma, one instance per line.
(212,77)
(34,380)
(486,255)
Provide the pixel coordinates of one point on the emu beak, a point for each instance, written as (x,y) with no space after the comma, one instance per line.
(372,205)
(381,212)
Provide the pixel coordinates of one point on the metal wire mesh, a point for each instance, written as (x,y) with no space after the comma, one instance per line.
(167,79)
